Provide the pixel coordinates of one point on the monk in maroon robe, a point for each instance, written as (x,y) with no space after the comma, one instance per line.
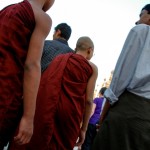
(64,100)
(63,94)
(20,54)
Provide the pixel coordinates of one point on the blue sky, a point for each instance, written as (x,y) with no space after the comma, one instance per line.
(106,22)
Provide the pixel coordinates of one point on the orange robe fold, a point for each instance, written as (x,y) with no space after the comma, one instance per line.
(16,26)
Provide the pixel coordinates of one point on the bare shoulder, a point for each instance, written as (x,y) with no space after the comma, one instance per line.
(42,19)
(41,15)
(94,67)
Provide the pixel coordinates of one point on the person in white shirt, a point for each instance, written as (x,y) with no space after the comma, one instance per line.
(125,121)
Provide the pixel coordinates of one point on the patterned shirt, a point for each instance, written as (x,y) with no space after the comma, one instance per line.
(52,48)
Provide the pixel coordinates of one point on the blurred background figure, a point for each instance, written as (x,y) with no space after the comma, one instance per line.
(59,44)
(94,120)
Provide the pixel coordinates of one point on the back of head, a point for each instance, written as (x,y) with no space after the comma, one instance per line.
(102,90)
(144,15)
(83,43)
(147,7)
(65,30)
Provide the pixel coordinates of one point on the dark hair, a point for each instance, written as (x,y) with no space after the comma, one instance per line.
(147,7)
(102,90)
(65,30)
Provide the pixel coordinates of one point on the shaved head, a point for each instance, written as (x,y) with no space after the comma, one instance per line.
(83,43)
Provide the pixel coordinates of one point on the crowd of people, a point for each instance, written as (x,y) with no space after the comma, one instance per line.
(47,88)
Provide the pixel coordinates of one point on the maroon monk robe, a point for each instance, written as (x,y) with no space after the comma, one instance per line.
(16,26)
(60,104)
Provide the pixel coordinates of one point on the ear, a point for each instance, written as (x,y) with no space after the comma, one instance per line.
(88,51)
(58,32)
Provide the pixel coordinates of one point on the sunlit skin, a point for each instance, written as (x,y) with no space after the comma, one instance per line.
(32,69)
(48,5)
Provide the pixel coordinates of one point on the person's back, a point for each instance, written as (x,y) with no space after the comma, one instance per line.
(19,25)
(96,115)
(94,120)
(59,44)
(125,117)
(66,88)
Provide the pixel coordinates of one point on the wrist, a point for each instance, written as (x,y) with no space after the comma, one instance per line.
(28,117)
(83,129)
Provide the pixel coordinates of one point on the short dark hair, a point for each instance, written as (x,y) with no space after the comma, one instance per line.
(147,7)
(102,90)
(65,30)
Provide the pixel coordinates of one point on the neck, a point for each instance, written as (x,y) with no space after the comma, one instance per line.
(82,53)
(38,3)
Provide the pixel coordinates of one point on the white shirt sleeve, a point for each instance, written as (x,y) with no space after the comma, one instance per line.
(126,65)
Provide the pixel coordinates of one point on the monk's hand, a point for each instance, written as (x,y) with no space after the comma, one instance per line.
(81,138)
(25,131)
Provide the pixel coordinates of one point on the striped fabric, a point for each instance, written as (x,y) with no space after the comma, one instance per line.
(52,48)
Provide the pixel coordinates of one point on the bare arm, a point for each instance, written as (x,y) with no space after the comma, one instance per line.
(89,97)
(104,111)
(89,103)
(32,74)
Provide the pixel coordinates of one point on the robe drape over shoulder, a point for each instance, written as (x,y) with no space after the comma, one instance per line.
(61,103)
(16,26)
